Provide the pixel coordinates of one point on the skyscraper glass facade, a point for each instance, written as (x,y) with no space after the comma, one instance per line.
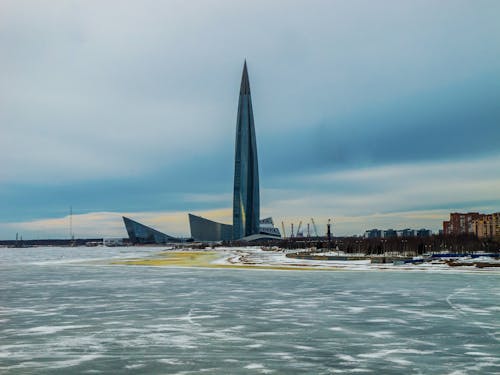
(246,202)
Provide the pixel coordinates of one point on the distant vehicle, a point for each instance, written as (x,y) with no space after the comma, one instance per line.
(111,242)
(93,243)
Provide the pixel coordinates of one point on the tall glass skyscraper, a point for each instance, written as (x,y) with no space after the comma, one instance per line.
(246,202)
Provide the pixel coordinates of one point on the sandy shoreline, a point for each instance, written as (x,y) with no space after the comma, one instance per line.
(207,259)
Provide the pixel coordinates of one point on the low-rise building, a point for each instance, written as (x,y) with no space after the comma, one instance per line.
(373,233)
(389,233)
(424,232)
(392,233)
(406,232)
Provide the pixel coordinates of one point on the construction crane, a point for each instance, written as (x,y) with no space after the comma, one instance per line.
(283,227)
(314,226)
(298,229)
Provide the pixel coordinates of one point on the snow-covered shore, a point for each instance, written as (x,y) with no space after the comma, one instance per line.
(255,256)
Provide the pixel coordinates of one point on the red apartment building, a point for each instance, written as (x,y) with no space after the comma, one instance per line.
(460,223)
(481,225)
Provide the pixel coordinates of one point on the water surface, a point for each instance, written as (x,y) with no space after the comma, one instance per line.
(59,315)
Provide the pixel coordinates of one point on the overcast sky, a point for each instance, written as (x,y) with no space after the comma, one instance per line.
(377,114)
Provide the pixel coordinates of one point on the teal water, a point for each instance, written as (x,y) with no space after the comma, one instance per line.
(58,315)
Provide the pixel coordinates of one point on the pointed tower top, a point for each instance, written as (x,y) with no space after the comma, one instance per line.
(245,83)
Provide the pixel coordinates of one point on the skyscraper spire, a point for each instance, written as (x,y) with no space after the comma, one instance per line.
(245,83)
(246,200)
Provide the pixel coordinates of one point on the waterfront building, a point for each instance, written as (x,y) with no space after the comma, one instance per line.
(207,230)
(246,201)
(266,226)
(141,234)
(211,231)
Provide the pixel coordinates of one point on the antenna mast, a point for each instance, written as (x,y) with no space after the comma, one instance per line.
(71,235)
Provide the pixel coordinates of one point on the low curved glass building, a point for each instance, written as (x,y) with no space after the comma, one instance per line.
(141,234)
(207,230)
(211,231)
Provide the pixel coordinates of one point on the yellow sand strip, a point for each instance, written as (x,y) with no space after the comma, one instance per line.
(205,259)
(175,258)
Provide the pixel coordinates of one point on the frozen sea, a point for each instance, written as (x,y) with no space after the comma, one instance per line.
(64,310)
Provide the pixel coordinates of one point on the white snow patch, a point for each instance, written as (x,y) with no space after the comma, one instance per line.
(337,329)
(346,357)
(254,366)
(75,361)
(170,361)
(478,354)
(47,330)
(386,352)
(134,366)
(356,310)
